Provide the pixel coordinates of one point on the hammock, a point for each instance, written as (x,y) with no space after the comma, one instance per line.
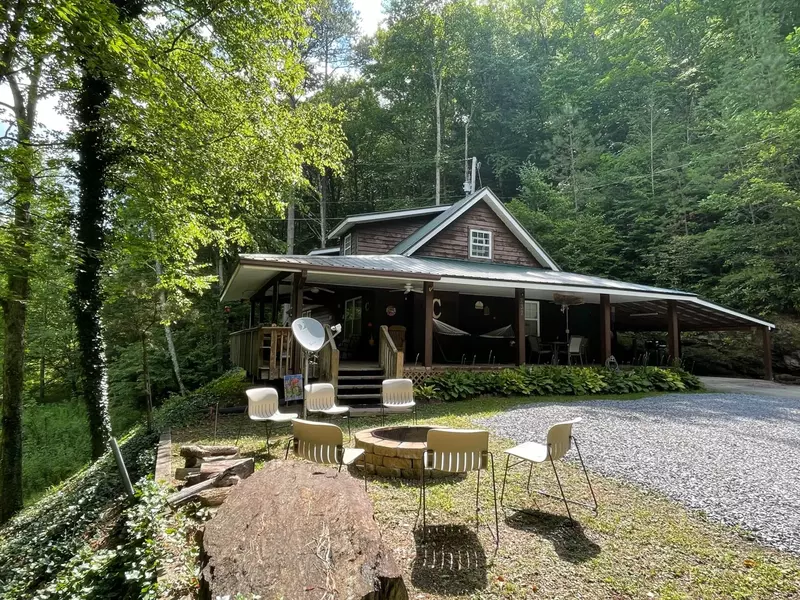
(503,333)
(444,329)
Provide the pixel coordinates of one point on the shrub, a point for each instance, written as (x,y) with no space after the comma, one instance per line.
(554,380)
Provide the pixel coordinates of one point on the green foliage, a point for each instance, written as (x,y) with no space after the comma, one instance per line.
(180,411)
(554,380)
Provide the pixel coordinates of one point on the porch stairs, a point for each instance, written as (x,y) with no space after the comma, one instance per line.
(360,385)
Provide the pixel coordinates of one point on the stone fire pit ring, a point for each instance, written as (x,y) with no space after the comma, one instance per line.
(395,451)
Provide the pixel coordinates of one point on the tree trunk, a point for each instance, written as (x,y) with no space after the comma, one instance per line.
(437,92)
(15,305)
(290,226)
(147,387)
(162,309)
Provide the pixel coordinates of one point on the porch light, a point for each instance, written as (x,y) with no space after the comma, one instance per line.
(479,305)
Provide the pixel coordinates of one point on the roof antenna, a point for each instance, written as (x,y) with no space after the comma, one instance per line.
(469,181)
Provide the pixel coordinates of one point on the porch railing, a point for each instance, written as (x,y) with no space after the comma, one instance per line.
(264,352)
(389,357)
(329,360)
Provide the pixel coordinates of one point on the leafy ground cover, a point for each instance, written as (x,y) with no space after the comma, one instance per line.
(640,545)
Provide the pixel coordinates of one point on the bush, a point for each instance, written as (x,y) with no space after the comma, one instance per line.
(555,381)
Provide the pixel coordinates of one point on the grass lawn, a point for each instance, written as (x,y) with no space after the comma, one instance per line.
(640,545)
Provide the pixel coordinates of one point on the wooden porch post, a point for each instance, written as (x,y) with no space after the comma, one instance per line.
(298,280)
(261,306)
(428,302)
(605,327)
(519,325)
(766,333)
(252,311)
(673,330)
(275,302)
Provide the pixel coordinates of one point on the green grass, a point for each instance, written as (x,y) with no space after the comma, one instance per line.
(56,442)
(640,545)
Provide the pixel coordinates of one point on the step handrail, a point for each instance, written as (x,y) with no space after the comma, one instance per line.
(389,357)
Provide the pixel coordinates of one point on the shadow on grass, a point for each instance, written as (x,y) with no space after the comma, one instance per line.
(568,539)
(451,561)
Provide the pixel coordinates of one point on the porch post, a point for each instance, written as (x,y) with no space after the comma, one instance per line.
(252,312)
(673,330)
(605,328)
(519,325)
(261,309)
(428,302)
(275,302)
(766,334)
(298,280)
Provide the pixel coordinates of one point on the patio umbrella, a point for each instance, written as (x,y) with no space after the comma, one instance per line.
(566,300)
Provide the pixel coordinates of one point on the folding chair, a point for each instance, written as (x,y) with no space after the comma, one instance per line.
(323,443)
(321,399)
(397,393)
(577,348)
(262,405)
(459,451)
(559,441)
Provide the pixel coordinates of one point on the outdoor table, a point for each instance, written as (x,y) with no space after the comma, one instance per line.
(557,349)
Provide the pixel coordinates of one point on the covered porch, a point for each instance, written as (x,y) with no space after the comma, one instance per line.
(405,314)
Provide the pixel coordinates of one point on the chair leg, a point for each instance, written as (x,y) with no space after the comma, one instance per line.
(586,474)
(268,432)
(477,502)
(496,517)
(424,502)
(288,445)
(383,415)
(505,475)
(528,486)
(563,497)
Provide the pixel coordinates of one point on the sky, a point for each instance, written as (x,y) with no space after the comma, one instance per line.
(370,16)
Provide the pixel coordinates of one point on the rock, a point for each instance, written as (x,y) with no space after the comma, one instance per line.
(243,467)
(297,530)
(214,496)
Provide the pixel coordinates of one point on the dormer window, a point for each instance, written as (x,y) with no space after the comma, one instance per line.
(348,245)
(480,243)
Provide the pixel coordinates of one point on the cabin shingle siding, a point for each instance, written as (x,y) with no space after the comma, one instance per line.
(380,238)
(453,241)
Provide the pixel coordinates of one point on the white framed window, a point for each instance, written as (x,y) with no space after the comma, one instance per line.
(307,312)
(532,318)
(348,245)
(480,243)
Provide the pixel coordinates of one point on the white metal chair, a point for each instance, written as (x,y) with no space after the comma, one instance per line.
(459,451)
(397,393)
(262,405)
(559,441)
(576,348)
(323,443)
(321,400)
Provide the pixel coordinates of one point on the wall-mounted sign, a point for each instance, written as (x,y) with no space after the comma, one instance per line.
(391,310)
(437,308)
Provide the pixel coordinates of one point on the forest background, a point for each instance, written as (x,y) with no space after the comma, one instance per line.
(656,142)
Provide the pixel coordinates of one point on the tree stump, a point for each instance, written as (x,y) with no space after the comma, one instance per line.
(296,530)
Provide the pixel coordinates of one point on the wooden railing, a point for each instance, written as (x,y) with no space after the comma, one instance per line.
(389,357)
(329,360)
(264,352)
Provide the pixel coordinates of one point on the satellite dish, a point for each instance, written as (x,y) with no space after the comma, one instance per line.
(309,333)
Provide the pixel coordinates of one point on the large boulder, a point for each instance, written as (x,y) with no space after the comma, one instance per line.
(297,530)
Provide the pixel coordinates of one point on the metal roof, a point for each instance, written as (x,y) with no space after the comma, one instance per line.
(640,307)
(386,215)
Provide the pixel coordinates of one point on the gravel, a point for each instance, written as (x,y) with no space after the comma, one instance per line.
(734,456)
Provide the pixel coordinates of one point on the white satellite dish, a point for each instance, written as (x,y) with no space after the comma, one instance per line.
(309,333)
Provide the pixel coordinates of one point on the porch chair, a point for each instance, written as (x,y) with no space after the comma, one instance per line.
(536,347)
(459,451)
(323,443)
(397,393)
(577,348)
(559,441)
(262,405)
(321,400)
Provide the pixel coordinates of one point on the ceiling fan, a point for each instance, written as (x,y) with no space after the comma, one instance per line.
(408,288)
(316,290)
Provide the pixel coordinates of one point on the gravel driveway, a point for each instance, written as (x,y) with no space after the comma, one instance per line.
(734,456)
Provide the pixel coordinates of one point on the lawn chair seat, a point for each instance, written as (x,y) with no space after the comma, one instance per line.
(576,348)
(263,405)
(323,443)
(536,347)
(321,400)
(397,393)
(459,451)
(559,441)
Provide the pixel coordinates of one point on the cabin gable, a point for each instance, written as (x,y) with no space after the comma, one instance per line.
(380,237)
(455,240)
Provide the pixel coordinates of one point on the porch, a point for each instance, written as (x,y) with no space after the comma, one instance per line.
(402,315)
